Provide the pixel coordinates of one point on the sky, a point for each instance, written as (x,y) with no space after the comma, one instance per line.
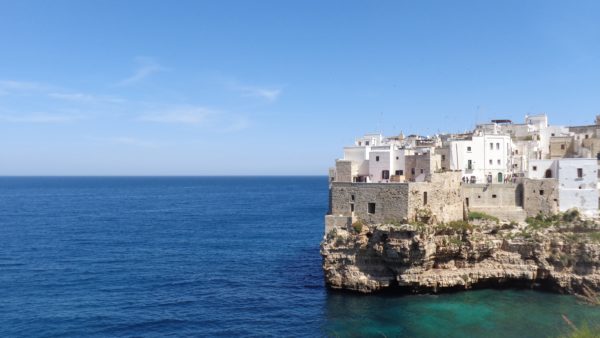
(275,87)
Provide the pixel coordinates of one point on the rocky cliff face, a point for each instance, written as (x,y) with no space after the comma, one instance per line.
(430,258)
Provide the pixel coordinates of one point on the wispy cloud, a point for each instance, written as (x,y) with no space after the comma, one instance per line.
(38,118)
(198,116)
(130,141)
(11,86)
(84,98)
(237,123)
(181,115)
(264,93)
(268,93)
(145,67)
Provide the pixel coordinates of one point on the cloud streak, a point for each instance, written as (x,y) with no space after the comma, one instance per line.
(270,94)
(38,118)
(198,116)
(145,68)
(180,115)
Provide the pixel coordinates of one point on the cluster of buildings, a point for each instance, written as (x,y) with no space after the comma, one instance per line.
(509,169)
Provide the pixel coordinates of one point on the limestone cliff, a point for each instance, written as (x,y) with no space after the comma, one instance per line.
(561,256)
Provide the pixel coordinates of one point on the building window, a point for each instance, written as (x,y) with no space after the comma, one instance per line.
(499,162)
(371,208)
(534,168)
(579,173)
(494,196)
(491,146)
(359,143)
(385,174)
(352,198)
(399,172)
(412,171)
(422,171)
(443,157)
(515,165)
(470,165)
(468,148)
(548,174)
(377,158)
(517,151)
(497,146)
(541,192)
(586,136)
(366,143)
(562,147)
(552,134)
(424,197)
(397,158)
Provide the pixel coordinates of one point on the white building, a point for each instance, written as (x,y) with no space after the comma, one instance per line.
(483,157)
(577,181)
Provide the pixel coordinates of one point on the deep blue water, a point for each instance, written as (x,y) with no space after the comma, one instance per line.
(211,256)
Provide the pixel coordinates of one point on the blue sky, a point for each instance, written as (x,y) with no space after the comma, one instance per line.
(275,87)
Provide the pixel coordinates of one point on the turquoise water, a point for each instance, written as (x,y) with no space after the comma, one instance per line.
(480,313)
(210,256)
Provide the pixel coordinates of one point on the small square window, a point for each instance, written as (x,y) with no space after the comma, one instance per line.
(497,146)
(397,158)
(491,146)
(579,172)
(371,208)
(352,198)
(366,143)
(468,148)
(562,147)
(443,157)
(494,196)
(534,168)
(541,192)
(422,171)
(499,162)
(491,162)
(377,158)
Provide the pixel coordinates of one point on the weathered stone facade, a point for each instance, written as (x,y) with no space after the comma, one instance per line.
(389,201)
(439,200)
(492,195)
(343,171)
(504,201)
(441,196)
(540,196)
(422,165)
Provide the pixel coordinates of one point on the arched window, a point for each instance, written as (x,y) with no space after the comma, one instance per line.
(548,174)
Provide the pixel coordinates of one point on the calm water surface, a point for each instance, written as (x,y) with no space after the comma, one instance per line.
(213,257)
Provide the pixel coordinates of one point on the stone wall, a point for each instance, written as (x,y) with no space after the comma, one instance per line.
(343,171)
(540,196)
(390,201)
(492,195)
(419,166)
(441,197)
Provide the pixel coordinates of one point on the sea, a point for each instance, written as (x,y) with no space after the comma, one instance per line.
(215,257)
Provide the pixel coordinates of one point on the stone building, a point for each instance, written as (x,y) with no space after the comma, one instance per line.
(437,199)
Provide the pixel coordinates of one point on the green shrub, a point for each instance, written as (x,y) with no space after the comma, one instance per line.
(357,226)
(595,236)
(571,215)
(459,225)
(473,215)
